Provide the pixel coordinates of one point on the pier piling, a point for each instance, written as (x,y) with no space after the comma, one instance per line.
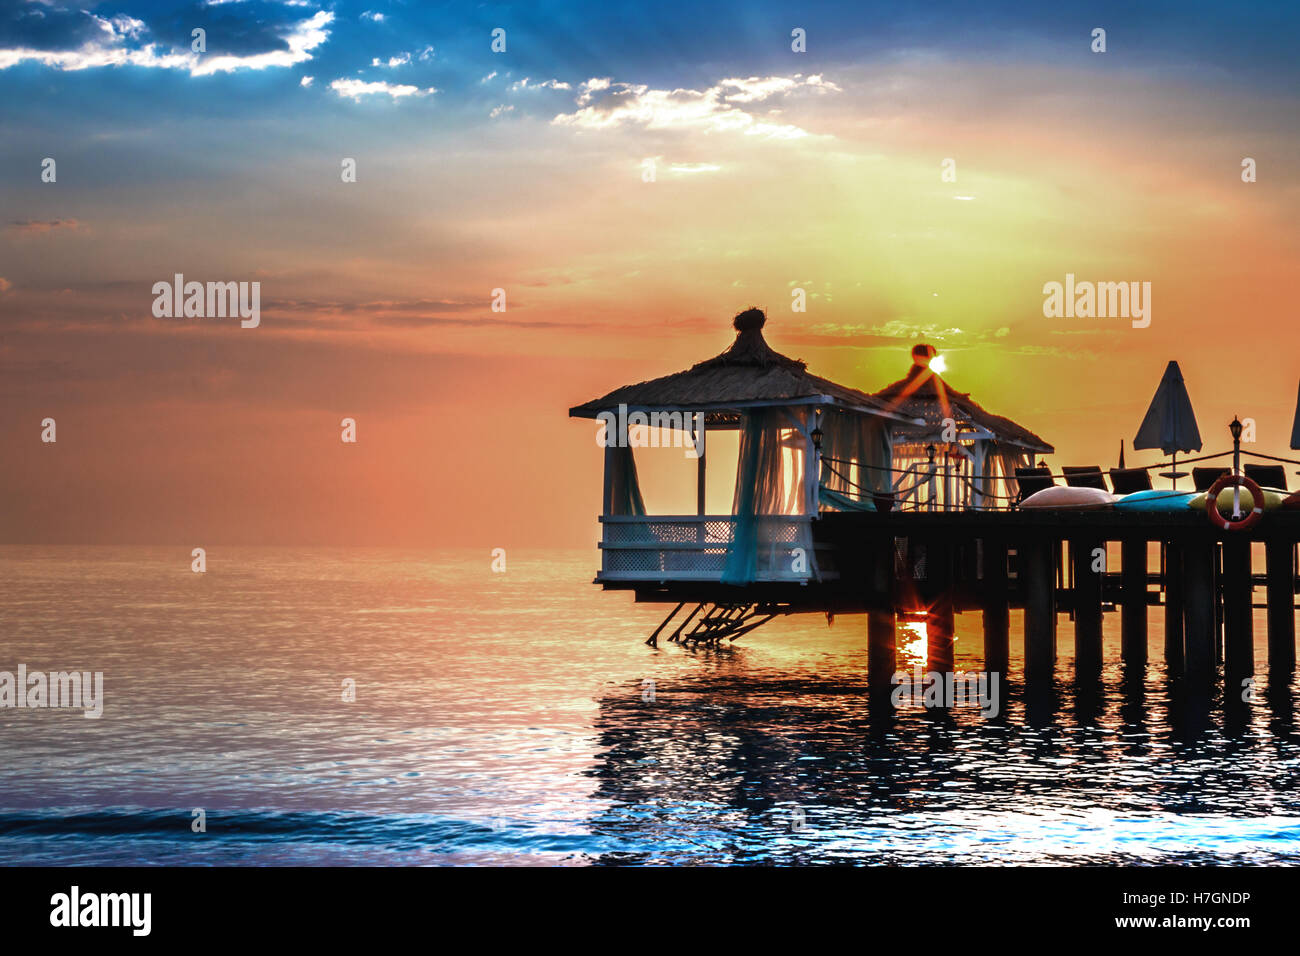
(939,619)
(1087,604)
(1279,576)
(1199,607)
(1037,569)
(881,635)
(880,648)
(1174,611)
(1133,600)
(1238,637)
(996,609)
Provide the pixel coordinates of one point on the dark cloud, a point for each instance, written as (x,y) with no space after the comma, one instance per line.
(40,27)
(38,226)
(237,29)
(240,29)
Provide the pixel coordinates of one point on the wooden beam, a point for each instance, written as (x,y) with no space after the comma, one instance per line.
(699,472)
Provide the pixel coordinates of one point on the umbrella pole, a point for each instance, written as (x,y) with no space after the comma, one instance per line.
(1173,472)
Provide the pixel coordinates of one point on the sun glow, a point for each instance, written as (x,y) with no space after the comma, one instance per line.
(938,365)
(914,646)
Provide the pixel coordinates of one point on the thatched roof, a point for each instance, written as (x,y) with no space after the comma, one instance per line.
(750,373)
(922,393)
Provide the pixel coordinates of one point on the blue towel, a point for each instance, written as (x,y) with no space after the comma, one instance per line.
(1156,500)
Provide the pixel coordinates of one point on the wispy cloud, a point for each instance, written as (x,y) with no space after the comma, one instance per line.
(605,104)
(355,89)
(527,84)
(38,226)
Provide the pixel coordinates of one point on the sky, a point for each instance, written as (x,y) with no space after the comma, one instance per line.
(525,170)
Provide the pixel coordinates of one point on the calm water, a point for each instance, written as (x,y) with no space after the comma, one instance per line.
(499,719)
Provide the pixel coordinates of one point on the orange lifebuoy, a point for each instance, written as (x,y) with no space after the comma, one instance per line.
(1212,506)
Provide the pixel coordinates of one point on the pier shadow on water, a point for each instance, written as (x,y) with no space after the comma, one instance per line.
(1120,766)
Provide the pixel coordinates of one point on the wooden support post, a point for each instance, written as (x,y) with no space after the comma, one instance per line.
(939,625)
(1174,591)
(1217,570)
(997,610)
(1133,600)
(1279,575)
(881,663)
(1238,626)
(700,483)
(1087,604)
(1198,609)
(1037,568)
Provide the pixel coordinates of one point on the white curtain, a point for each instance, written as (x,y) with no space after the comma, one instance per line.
(771,479)
(862,451)
(1009,460)
(622,487)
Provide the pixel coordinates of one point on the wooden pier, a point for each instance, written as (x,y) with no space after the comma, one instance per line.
(1048,565)
(914,502)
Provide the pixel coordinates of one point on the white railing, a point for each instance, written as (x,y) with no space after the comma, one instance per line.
(694,548)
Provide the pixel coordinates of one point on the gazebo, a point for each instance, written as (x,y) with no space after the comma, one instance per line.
(951,453)
(785,416)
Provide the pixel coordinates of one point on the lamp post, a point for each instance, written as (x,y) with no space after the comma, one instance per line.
(815,477)
(929,451)
(1235,428)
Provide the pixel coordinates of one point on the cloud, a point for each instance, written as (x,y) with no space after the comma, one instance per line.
(525,84)
(80,40)
(500,110)
(604,104)
(393,61)
(38,226)
(359,88)
(372,16)
(306,80)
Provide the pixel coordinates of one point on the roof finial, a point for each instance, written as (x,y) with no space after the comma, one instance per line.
(751,318)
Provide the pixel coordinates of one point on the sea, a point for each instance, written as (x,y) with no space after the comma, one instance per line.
(343,706)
